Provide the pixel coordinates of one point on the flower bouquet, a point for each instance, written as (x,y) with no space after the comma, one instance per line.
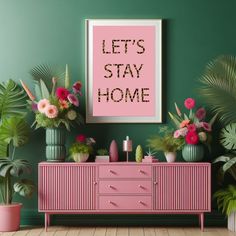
(192,128)
(55,108)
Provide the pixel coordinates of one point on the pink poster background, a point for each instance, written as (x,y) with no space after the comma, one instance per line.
(147,73)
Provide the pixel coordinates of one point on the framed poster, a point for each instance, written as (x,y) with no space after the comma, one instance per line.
(124,71)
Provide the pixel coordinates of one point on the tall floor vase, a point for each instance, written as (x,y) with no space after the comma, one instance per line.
(193,153)
(55,145)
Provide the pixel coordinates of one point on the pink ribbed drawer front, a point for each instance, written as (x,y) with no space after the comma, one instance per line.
(124,171)
(124,187)
(125,202)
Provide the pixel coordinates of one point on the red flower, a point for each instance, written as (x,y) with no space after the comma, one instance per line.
(191,128)
(191,138)
(200,113)
(206,126)
(77,87)
(62,93)
(80,138)
(189,103)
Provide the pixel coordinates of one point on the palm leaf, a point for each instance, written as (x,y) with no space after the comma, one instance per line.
(15,130)
(228,137)
(219,87)
(44,90)
(24,187)
(46,73)
(12,100)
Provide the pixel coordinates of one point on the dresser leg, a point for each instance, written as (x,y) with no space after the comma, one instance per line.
(202,221)
(45,221)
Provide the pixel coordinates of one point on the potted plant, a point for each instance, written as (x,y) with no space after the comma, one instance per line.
(14,132)
(226,200)
(82,148)
(192,130)
(166,143)
(103,155)
(56,107)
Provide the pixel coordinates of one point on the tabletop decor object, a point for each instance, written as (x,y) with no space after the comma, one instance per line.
(192,129)
(55,105)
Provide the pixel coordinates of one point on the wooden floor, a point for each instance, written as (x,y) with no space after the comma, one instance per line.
(120,231)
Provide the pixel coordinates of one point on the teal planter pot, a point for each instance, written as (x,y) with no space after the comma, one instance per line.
(193,153)
(55,145)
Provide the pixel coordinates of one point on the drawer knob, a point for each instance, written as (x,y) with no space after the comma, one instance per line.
(95,183)
(112,171)
(140,186)
(155,183)
(141,202)
(110,186)
(141,171)
(111,202)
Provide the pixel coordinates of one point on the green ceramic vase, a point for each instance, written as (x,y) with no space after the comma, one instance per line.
(55,145)
(193,153)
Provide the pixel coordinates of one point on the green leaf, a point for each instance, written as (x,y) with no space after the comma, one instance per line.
(218,87)
(229,164)
(37,90)
(44,90)
(228,137)
(24,187)
(15,130)
(12,99)
(14,167)
(3,148)
(222,158)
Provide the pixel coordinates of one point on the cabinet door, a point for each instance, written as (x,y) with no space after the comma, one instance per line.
(182,188)
(67,187)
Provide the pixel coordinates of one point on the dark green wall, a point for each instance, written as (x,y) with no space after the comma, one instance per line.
(52,31)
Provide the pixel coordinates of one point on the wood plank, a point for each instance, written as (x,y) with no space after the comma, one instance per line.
(111,231)
(62,231)
(225,232)
(149,231)
(35,231)
(161,231)
(122,231)
(7,233)
(73,231)
(86,231)
(51,231)
(176,232)
(136,231)
(100,231)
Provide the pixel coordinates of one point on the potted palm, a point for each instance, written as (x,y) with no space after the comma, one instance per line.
(14,132)
(226,200)
(166,143)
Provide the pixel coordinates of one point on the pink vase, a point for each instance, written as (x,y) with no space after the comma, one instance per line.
(114,151)
(10,217)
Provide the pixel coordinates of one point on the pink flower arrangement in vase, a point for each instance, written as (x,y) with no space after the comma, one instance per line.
(192,128)
(58,107)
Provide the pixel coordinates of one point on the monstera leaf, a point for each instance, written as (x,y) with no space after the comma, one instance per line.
(24,187)
(14,167)
(15,130)
(12,100)
(228,137)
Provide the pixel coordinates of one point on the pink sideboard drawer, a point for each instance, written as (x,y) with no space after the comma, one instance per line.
(125,171)
(125,202)
(123,187)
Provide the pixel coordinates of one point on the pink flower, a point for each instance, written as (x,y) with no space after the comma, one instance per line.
(80,138)
(191,128)
(206,126)
(51,111)
(42,105)
(77,87)
(189,103)
(176,134)
(62,93)
(192,138)
(73,99)
(200,113)
(183,131)
(184,123)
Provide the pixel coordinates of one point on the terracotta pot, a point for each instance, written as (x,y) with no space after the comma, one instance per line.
(10,217)
(170,156)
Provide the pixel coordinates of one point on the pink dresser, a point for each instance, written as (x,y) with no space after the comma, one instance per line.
(124,188)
